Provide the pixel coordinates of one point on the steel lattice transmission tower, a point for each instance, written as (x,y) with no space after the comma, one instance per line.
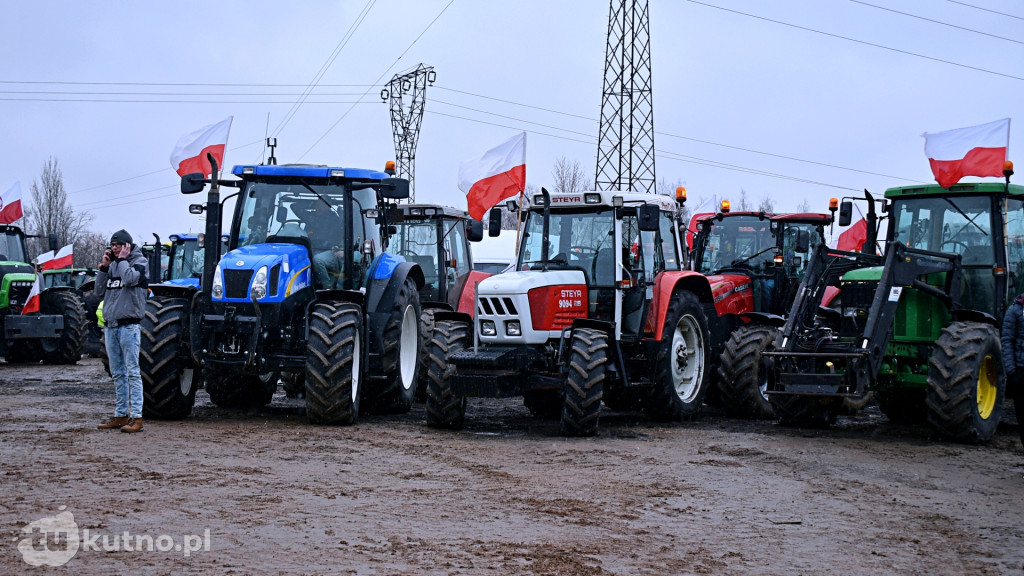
(406,119)
(625,145)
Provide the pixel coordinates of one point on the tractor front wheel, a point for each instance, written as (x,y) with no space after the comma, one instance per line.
(169,383)
(444,408)
(743,373)
(66,348)
(333,363)
(584,389)
(400,360)
(681,368)
(966,382)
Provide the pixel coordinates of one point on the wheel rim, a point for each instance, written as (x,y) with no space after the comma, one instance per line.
(987,391)
(408,354)
(687,358)
(356,359)
(185,381)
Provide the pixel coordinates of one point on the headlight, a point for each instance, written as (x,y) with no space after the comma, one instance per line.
(218,284)
(487,328)
(259,284)
(512,328)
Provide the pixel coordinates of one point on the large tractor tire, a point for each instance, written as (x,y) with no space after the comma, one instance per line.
(588,360)
(743,373)
(903,405)
(66,348)
(681,369)
(334,363)
(23,352)
(426,332)
(444,408)
(806,411)
(399,362)
(169,380)
(966,382)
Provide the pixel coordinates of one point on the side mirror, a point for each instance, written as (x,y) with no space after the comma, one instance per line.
(475,230)
(845,213)
(196,208)
(803,242)
(394,188)
(392,230)
(648,216)
(52,241)
(494,223)
(192,183)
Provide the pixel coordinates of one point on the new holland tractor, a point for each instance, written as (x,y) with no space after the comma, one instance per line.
(919,325)
(754,262)
(305,290)
(55,333)
(599,308)
(438,238)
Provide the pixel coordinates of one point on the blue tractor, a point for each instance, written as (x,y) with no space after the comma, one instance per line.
(186,254)
(305,290)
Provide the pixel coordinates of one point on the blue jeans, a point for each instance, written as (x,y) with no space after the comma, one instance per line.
(123,353)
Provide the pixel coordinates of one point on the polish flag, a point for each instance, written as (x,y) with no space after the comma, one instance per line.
(973,151)
(43,260)
(32,304)
(853,238)
(189,154)
(64,259)
(10,205)
(499,174)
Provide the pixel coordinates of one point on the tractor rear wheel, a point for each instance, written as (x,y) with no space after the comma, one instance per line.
(444,408)
(169,381)
(66,348)
(399,361)
(588,359)
(426,331)
(681,369)
(966,382)
(743,373)
(334,363)
(805,411)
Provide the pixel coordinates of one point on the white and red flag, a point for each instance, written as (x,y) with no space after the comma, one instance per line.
(43,260)
(32,304)
(10,205)
(853,238)
(972,151)
(189,154)
(498,174)
(64,258)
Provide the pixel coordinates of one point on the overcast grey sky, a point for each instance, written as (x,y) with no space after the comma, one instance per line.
(792,99)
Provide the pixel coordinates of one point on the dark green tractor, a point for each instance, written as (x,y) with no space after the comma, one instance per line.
(55,332)
(919,325)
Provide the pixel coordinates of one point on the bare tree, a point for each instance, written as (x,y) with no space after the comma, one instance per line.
(52,213)
(804,206)
(766,204)
(569,177)
(744,203)
(666,188)
(89,249)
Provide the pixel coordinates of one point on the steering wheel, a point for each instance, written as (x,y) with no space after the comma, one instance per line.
(954,243)
(407,253)
(295,221)
(581,252)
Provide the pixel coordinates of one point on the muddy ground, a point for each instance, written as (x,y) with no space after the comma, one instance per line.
(507,495)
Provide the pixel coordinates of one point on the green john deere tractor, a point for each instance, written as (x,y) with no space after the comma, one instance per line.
(919,326)
(55,332)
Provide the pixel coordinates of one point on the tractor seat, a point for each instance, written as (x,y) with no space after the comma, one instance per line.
(428,266)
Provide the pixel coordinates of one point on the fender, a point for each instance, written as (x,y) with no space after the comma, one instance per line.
(455,317)
(976,316)
(435,306)
(172,290)
(763,319)
(381,296)
(615,355)
(665,284)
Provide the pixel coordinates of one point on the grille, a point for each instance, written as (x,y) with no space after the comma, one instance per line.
(236,283)
(19,293)
(497,306)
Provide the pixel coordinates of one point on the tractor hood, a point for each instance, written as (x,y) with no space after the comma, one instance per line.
(871,274)
(287,266)
(529,307)
(731,293)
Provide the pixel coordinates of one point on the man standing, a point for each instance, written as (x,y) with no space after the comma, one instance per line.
(123,284)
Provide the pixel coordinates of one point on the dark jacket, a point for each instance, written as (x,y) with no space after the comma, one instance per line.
(1013,335)
(124,286)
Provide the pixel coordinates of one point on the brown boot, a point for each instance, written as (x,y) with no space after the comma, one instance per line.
(133,425)
(114,422)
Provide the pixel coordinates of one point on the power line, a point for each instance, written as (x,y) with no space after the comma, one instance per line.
(866,43)
(985,9)
(141,101)
(936,21)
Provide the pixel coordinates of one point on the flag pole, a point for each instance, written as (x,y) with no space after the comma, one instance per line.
(519,223)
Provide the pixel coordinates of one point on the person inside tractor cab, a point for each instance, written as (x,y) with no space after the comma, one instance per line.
(325,230)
